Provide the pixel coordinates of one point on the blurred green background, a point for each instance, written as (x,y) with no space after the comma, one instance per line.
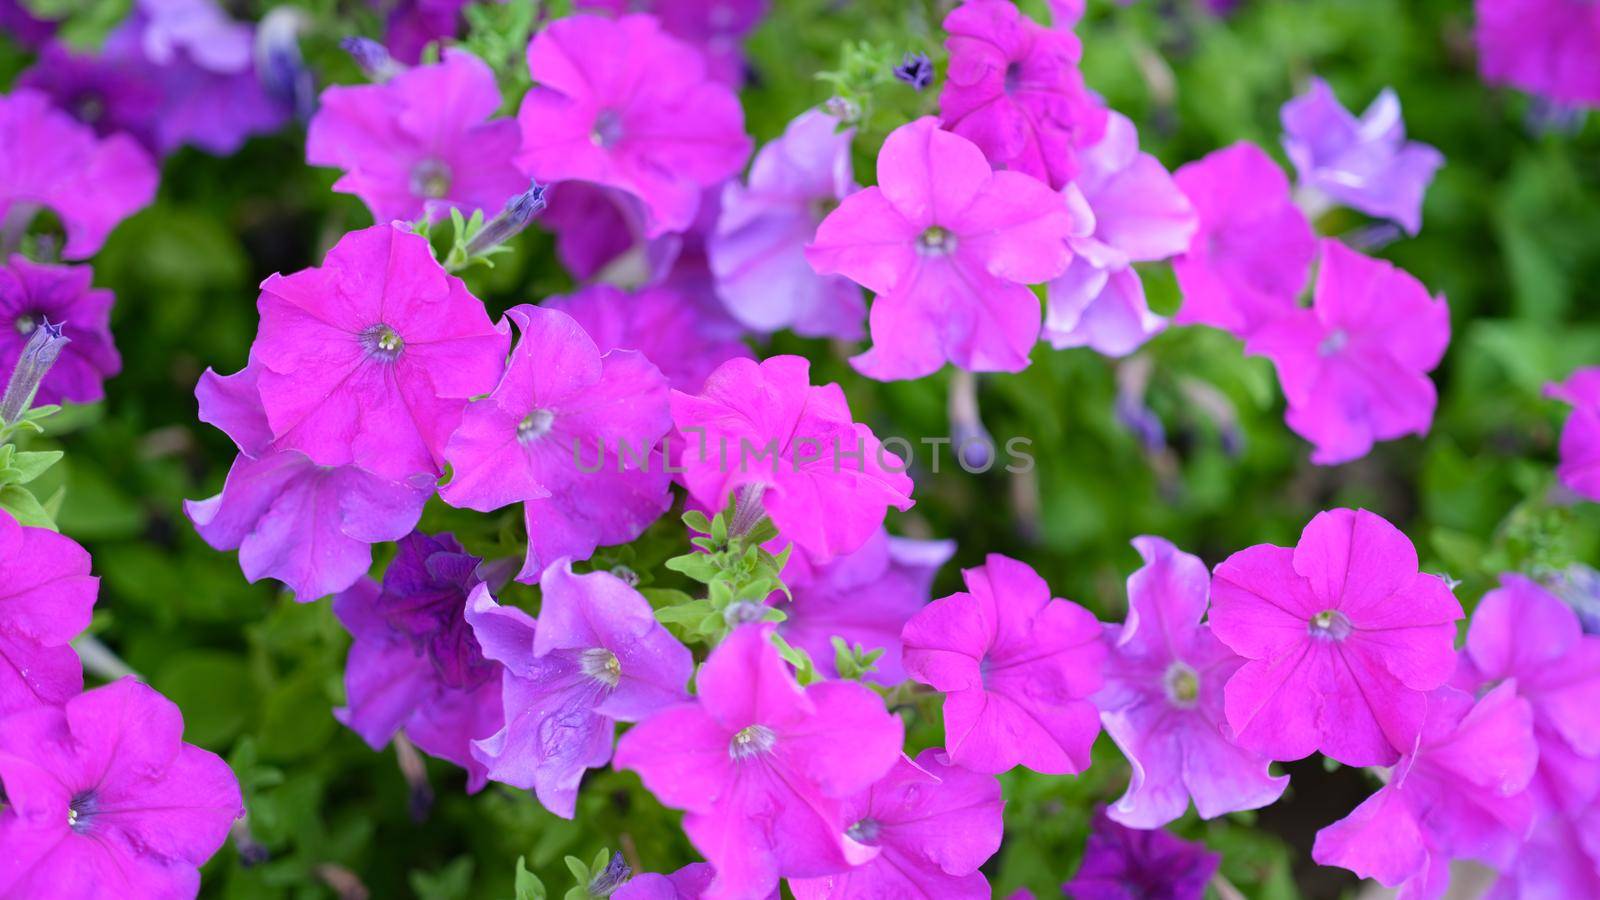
(1511,236)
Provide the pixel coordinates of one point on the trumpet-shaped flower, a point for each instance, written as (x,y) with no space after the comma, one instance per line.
(1121,862)
(1017,669)
(660,322)
(46,597)
(1580,439)
(1344,639)
(32,294)
(949,246)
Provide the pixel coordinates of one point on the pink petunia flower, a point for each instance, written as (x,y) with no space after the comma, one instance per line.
(1344,636)
(1545,47)
(30,295)
(1163,700)
(1121,863)
(1580,439)
(1014,89)
(422,143)
(670,329)
(369,360)
(764,767)
(825,479)
(949,246)
(569,434)
(103,798)
(758,250)
(622,104)
(934,825)
(311,527)
(1354,367)
(1364,163)
(1017,669)
(48,160)
(596,656)
(1125,209)
(1558,860)
(688,883)
(1250,257)
(714,27)
(1458,792)
(46,598)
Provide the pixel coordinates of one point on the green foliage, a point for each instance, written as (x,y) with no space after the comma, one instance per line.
(739,575)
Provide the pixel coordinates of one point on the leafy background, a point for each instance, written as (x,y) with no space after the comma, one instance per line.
(1512,237)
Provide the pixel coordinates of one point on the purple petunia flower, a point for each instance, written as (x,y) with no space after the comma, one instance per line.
(1163,700)
(714,27)
(411,25)
(415,664)
(49,160)
(1364,163)
(933,823)
(757,252)
(1354,367)
(369,360)
(115,89)
(596,656)
(824,479)
(1017,669)
(764,767)
(569,434)
(198,29)
(421,143)
(1120,862)
(1125,209)
(1250,257)
(1580,438)
(688,883)
(949,246)
(46,597)
(670,329)
(1457,792)
(32,294)
(1013,88)
(1344,639)
(103,798)
(1545,47)
(1558,860)
(311,527)
(622,104)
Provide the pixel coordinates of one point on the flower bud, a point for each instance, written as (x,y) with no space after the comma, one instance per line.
(372,57)
(519,211)
(38,355)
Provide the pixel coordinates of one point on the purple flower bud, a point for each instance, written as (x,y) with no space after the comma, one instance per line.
(605,882)
(38,355)
(279,63)
(916,70)
(372,57)
(518,212)
(973,446)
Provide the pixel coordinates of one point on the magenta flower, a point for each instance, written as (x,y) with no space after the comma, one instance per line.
(824,479)
(596,226)
(1364,163)
(1545,47)
(1120,863)
(764,767)
(864,597)
(569,434)
(1017,669)
(620,103)
(1556,861)
(670,329)
(370,359)
(688,883)
(597,656)
(1013,88)
(716,29)
(1344,639)
(1125,209)
(411,25)
(415,664)
(103,798)
(422,143)
(1580,439)
(758,250)
(30,295)
(46,597)
(311,527)
(49,160)
(1458,792)
(1249,259)
(949,246)
(933,824)
(1354,367)
(1163,700)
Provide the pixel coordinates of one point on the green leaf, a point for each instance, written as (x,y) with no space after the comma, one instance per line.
(697,521)
(453,882)
(31,465)
(25,508)
(528,885)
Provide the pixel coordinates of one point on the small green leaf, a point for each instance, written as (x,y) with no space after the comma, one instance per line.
(25,508)
(528,885)
(32,464)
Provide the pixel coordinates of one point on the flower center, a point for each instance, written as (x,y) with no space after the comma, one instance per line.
(80,812)
(602,665)
(383,342)
(1330,624)
(1182,683)
(751,741)
(864,831)
(26,324)
(607,128)
(1013,77)
(89,108)
(536,425)
(1333,343)
(936,241)
(431,179)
